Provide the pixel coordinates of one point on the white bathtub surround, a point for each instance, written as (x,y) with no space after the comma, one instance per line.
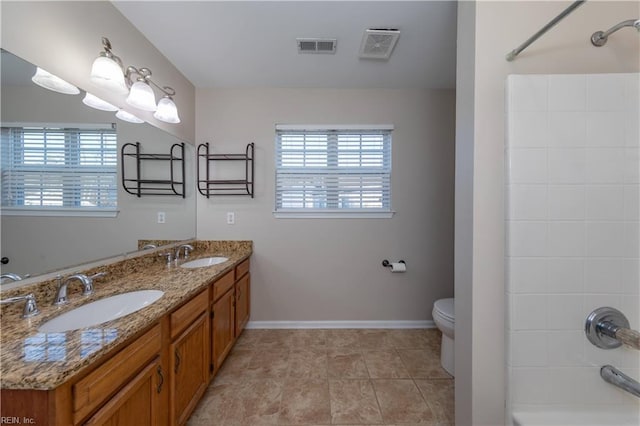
(573,241)
(577,416)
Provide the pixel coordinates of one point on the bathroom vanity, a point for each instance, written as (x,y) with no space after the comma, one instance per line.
(150,367)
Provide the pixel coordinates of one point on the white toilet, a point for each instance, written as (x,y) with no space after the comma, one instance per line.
(444,317)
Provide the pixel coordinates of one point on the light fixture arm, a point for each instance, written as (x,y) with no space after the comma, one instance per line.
(109,54)
(168,91)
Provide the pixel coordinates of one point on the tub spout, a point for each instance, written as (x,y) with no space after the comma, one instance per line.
(617,378)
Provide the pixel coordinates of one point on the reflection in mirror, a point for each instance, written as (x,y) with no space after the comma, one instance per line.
(38,243)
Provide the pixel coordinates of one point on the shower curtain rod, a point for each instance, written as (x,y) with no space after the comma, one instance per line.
(515,52)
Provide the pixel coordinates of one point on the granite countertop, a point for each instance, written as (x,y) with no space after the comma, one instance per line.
(30,359)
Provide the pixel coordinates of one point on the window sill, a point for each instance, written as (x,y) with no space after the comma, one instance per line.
(59,212)
(332,215)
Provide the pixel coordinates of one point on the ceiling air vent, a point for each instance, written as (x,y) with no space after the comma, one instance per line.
(316,45)
(378,43)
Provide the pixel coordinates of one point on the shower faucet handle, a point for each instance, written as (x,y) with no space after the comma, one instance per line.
(608,328)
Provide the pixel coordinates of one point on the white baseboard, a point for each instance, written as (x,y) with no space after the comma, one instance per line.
(340,324)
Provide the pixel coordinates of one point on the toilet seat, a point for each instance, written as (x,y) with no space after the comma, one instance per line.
(445,308)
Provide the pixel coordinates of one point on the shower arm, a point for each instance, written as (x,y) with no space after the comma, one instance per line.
(599,38)
(515,52)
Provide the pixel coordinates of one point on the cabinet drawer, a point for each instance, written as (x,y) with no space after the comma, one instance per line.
(221,286)
(102,382)
(134,404)
(185,315)
(242,269)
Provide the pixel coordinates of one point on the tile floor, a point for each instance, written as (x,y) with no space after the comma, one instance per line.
(330,377)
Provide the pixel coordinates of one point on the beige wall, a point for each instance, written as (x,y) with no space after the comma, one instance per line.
(64,37)
(499,28)
(330,270)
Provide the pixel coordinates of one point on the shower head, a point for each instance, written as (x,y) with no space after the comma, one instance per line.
(599,38)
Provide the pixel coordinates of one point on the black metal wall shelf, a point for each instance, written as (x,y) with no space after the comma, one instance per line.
(209,187)
(138,186)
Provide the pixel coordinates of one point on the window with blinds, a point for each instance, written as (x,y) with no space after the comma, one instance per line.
(333,172)
(59,169)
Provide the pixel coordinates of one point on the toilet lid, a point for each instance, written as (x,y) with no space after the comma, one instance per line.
(445,307)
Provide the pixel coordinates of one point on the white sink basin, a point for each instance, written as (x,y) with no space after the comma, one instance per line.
(204,262)
(101,311)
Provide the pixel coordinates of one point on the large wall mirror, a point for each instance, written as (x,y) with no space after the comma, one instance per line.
(36,244)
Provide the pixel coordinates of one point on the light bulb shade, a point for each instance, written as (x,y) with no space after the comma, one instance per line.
(127,116)
(142,97)
(97,103)
(167,111)
(108,74)
(49,81)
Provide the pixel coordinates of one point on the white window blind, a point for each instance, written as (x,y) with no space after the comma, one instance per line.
(333,172)
(59,169)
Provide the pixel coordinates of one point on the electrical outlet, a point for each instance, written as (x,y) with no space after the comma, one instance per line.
(161,217)
(231,218)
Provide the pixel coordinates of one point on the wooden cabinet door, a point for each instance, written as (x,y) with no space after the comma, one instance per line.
(243,301)
(189,358)
(136,403)
(223,327)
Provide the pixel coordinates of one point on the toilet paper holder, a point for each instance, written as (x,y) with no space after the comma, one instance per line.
(387,264)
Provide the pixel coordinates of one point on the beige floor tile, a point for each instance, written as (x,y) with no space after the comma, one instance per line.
(219,406)
(259,401)
(410,339)
(234,368)
(343,338)
(280,377)
(401,402)
(385,364)
(346,364)
(274,339)
(268,364)
(353,402)
(423,364)
(439,395)
(307,339)
(305,401)
(249,338)
(371,339)
(434,336)
(308,364)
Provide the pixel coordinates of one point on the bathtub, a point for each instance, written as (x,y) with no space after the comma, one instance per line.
(623,415)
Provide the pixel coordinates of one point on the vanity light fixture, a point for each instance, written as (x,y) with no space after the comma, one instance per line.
(141,94)
(167,110)
(109,72)
(95,102)
(127,116)
(49,81)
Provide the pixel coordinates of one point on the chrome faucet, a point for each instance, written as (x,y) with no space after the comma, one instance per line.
(187,249)
(87,283)
(617,378)
(13,277)
(168,255)
(30,307)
